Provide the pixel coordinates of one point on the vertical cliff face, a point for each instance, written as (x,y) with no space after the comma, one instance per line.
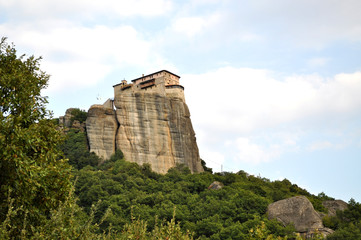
(65,120)
(101,126)
(157,130)
(152,124)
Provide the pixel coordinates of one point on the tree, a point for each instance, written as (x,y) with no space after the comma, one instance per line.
(206,169)
(33,173)
(78,115)
(75,149)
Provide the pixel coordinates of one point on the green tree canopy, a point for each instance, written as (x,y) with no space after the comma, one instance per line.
(79,115)
(33,172)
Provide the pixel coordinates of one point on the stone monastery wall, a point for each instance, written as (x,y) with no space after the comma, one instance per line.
(162,82)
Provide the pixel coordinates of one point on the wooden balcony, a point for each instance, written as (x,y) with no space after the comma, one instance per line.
(174,86)
(148,83)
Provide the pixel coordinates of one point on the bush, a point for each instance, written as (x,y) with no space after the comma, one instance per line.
(78,115)
(75,148)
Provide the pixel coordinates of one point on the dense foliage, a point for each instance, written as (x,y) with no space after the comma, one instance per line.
(230,212)
(78,115)
(346,223)
(33,174)
(75,149)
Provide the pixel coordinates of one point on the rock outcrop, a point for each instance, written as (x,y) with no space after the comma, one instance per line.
(300,212)
(150,124)
(65,121)
(68,122)
(297,210)
(334,205)
(101,126)
(215,186)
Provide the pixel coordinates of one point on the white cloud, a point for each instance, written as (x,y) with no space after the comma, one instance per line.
(279,25)
(316,23)
(82,9)
(135,7)
(308,24)
(320,145)
(189,26)
(86,43)
(192,26)
(318,62)
(213,159)
(74,75)
(242,105)
(248,37)
(83,56)
(261,148)
(249,99)
(254,153)
(204,2)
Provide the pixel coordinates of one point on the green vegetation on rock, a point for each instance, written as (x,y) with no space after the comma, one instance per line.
(75,149)
(78,115)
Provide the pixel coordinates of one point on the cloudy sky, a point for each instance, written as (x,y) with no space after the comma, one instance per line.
(274,87)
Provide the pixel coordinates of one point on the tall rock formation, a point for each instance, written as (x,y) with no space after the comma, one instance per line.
(101,125)
(152,124)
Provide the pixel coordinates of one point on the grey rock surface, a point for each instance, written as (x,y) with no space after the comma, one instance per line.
(101,126)
(215,185)
(334,205)
(149,121)
(297,210)
(156,129)
(65,120)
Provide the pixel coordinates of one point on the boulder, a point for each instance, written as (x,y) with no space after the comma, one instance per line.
(215,185)
(334,205)
(298,211)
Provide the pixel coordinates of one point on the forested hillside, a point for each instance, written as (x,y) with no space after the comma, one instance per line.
(229,213)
